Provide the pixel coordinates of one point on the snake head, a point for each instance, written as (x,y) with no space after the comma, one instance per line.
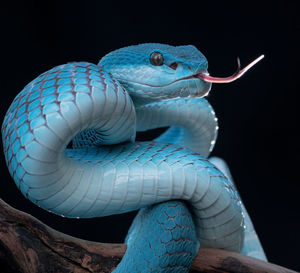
(154,72)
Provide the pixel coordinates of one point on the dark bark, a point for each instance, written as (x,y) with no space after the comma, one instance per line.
(29,246)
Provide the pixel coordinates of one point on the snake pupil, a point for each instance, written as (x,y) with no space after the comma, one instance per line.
(156,58)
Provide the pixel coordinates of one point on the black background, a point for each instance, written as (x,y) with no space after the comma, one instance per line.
(257,114)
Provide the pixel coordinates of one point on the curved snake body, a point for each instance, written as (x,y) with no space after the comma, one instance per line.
(100,108)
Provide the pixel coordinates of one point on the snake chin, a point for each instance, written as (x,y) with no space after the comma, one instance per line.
(185,87)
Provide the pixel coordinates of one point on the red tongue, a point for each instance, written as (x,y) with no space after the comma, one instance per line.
(236,75)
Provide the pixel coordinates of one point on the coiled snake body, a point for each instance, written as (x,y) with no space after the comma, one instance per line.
(99,108)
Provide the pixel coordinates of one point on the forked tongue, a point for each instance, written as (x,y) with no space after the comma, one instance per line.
(207,78)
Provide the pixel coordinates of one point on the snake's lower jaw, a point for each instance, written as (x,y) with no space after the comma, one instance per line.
(205,91)
(202,89)
(183,88)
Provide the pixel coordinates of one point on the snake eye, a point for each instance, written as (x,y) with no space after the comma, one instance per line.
(156,58)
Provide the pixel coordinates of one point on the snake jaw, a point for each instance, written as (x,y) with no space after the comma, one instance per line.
(204,76)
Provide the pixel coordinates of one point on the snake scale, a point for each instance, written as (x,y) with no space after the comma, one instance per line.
(186,201)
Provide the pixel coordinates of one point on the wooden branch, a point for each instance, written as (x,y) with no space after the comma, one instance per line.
(28,246)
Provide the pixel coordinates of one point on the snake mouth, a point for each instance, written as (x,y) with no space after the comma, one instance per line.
(204,76)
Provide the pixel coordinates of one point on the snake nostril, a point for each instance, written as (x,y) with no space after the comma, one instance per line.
(173,65)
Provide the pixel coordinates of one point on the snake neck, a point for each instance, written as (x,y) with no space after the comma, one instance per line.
(192,120)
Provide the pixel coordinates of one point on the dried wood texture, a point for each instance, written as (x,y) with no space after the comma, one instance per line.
(27,245)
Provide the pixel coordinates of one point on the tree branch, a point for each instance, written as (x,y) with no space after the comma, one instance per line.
(28,246)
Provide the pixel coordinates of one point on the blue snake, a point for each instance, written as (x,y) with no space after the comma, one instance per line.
(186,200)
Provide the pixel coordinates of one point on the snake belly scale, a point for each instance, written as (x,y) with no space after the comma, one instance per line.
(185,201)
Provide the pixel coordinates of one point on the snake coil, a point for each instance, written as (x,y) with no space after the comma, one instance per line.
(100,108)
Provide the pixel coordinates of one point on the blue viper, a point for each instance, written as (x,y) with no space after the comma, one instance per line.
(185,200)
